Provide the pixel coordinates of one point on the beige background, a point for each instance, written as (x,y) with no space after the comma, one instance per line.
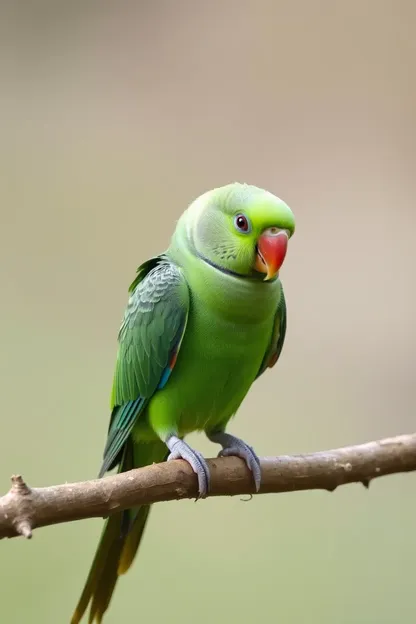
(113,116)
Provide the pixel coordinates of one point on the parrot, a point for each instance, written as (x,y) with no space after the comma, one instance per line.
(203,321)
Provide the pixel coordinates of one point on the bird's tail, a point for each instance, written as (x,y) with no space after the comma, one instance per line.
(119,541)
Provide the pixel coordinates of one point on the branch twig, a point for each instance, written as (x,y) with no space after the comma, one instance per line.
(22,509)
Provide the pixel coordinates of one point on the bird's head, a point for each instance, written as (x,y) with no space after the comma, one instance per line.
(241,229)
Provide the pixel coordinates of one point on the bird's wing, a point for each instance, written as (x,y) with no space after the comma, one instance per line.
(277,338)
(150,337)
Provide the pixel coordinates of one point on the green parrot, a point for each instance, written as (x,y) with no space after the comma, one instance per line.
(203,321)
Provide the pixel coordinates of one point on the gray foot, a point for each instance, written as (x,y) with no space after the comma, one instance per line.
(181,450)
(231,445)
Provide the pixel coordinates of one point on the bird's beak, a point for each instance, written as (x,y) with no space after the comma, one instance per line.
(271,252)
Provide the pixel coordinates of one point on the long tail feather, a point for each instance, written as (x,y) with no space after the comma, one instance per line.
(133,540)
(118,545)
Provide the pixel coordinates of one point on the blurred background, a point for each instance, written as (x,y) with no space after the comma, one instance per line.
(113,117)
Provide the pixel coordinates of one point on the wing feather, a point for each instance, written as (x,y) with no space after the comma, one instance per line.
(277,338)
(149,340)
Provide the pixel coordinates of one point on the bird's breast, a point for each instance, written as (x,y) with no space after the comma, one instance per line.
(217,363)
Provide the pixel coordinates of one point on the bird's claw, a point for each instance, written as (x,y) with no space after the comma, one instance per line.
(233,446)
(181,450)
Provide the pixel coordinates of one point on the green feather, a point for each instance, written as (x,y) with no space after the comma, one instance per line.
(119,541)
(200,326)
(278,337)
(153,325)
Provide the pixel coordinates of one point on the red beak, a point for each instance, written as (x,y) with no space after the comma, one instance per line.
(271,252)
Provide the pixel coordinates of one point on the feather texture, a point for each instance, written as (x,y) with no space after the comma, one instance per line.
(200,326)
(149,340)
(278,337)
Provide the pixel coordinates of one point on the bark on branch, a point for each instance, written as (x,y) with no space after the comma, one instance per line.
(22,509)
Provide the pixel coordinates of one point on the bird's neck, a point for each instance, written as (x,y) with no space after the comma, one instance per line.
(228,296)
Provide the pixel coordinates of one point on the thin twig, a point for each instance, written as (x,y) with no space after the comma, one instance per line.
(23,509)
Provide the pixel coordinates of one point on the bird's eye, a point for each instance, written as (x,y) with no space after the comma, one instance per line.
(241,223)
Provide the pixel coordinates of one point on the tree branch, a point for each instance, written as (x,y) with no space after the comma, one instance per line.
(22,509)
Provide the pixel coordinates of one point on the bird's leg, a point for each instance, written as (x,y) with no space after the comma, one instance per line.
(181,450)
(231,445)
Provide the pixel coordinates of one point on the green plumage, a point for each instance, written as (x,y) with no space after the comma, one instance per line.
(200,326)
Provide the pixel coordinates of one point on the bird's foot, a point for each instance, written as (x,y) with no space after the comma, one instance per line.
(231,445)
(181,450)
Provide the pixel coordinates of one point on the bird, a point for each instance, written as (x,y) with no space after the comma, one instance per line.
(203,321)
